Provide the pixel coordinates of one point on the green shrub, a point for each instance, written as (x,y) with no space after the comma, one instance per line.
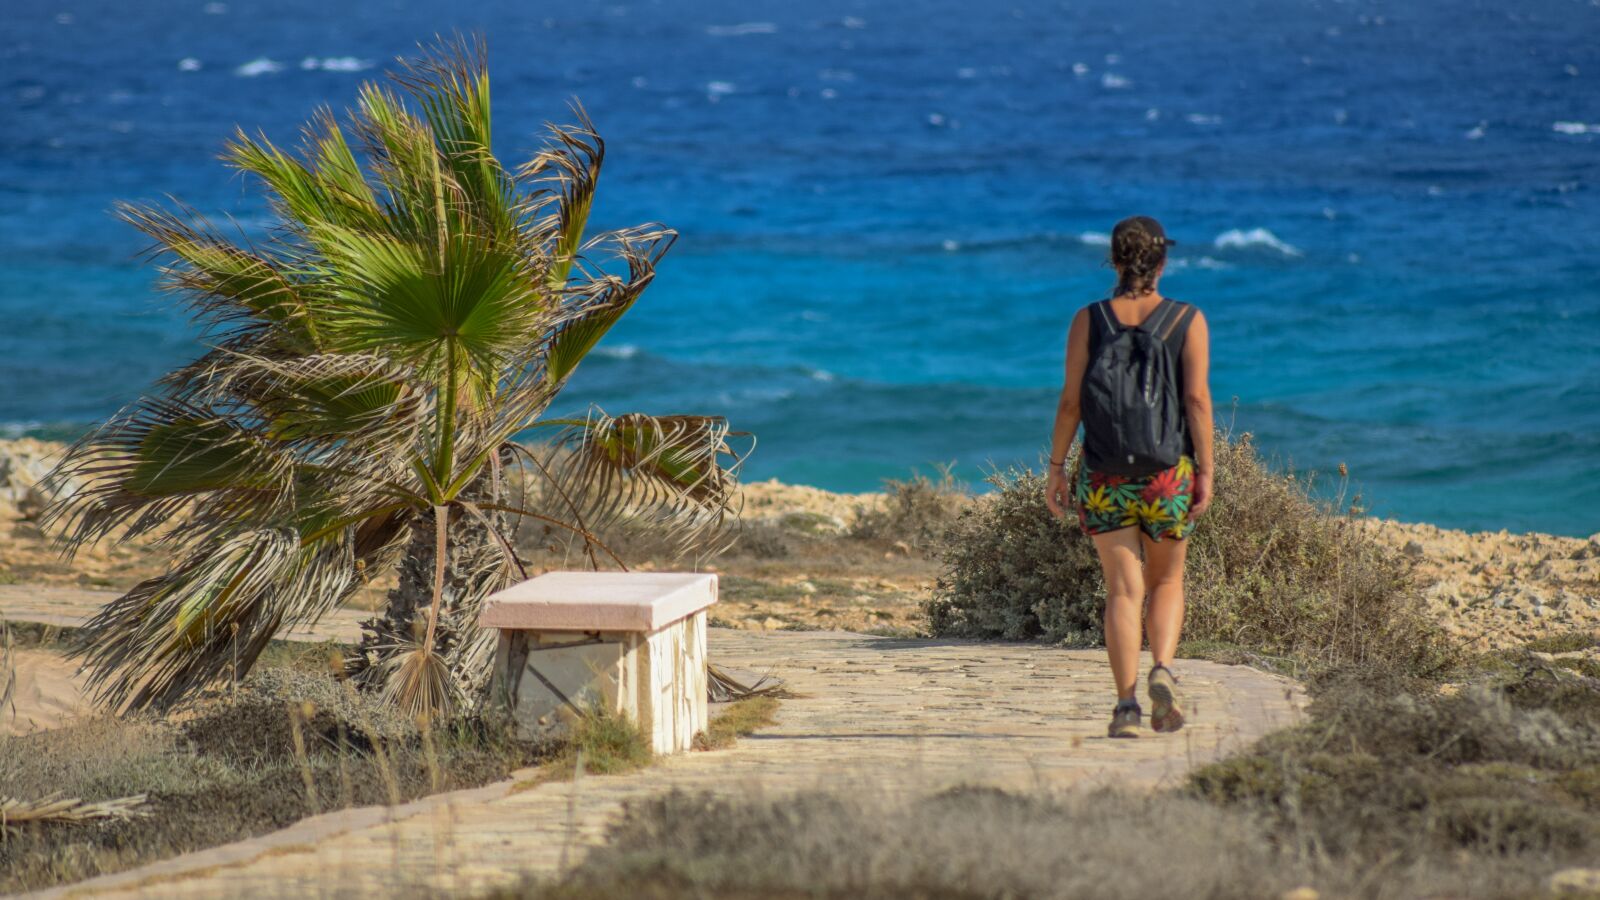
(1013,571)
(1271,570)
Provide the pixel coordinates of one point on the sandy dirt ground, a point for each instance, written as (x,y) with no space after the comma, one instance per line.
(46,691)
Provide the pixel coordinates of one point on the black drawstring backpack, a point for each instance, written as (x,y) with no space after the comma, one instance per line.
(1133,417)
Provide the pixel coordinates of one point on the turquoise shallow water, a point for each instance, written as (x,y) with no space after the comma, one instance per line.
(889,212)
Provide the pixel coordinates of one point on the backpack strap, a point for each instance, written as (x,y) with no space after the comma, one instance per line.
(1103,326)
(1178,325)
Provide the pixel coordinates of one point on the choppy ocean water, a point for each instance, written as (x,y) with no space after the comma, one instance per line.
(1390,212)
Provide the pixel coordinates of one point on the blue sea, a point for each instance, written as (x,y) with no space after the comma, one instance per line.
(1390,211)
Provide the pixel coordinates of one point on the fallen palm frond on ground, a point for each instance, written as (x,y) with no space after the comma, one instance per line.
(56,808)
(726,686)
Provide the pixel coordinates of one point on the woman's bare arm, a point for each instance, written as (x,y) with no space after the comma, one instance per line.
(1197,406)
(1057,492)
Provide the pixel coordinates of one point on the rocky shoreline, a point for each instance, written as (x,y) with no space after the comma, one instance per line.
(1492,589)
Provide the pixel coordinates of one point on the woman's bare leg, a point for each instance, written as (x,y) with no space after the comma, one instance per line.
(1163,574)
(1119,559)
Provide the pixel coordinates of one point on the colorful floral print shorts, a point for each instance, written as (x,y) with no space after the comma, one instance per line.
(1157,503)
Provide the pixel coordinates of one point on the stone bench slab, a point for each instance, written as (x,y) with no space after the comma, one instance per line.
(599,601)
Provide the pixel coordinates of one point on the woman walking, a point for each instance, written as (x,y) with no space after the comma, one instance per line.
(1137,381)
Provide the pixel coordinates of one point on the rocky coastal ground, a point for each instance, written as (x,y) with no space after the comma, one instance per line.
(801,568)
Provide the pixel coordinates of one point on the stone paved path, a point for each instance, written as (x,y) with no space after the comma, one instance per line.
(877,714)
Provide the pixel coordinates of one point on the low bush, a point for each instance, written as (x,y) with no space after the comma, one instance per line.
(966,843)
(1271,569)
(1500,767)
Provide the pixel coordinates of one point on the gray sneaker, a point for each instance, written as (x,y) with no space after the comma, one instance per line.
(1127,721)
(1165,716)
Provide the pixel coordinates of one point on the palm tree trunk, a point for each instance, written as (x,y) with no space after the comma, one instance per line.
(476,565)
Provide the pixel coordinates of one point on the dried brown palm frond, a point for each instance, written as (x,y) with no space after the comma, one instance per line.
(650,470)
(57,808)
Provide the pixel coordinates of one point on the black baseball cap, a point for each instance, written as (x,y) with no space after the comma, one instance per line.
(1144,225)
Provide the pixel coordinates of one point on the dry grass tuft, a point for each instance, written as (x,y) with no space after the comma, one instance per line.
(740,718)
(914,511)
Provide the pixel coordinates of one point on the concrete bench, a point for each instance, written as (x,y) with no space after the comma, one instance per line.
(633,643)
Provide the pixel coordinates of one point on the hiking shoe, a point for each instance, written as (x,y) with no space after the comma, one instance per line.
(1165,716)
(1127,721)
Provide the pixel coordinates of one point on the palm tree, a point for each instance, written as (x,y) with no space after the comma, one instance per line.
(371,359)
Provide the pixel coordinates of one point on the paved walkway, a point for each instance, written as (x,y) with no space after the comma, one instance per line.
(877,714)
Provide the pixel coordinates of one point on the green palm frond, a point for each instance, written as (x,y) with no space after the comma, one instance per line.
(224,283)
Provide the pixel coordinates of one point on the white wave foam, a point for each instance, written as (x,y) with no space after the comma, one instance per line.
(822,375)
(936,120)
(1204,262)
(853,22)
(1575,128)
(335,64)
(1202,119)
(621,351)
(741,29)
(188,64)
(258,66)
(966,72)
(1113,81)
(827,93)
(950,246)
(720,88)
(215,9)
(1152,114)
(1095,239)
(1477,132)
(1079,68)
(1237,239)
